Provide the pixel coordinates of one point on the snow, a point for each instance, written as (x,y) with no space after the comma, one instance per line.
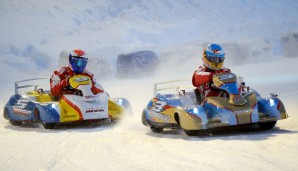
(34,33)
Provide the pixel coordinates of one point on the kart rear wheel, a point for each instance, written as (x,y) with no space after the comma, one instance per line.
(14,123)
(191,132)
(267,125)
(48,125)
(155,129)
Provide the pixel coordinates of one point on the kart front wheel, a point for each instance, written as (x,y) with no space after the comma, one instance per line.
(5,113)
(15,123)
(44,124)
(155,129)
(267,125)
(191,132)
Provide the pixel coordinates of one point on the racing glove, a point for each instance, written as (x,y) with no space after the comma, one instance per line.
(64,83)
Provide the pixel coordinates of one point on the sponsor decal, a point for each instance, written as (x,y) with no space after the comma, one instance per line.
(19,107)
(236,98)
(21,111)
(21,103)
(227,76)
(159,106)
(248,111)
(82,79)
(89,96)
(93,110)
(160,116)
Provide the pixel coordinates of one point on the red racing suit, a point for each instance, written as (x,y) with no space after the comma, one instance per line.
(59,82)
(202,78)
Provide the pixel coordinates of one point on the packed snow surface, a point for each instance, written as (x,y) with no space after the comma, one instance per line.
(34,33)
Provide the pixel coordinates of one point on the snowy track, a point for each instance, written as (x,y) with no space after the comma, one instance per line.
(131,146)
(134,147)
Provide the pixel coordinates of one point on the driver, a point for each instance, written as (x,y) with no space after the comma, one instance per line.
(77,64)
(213,59)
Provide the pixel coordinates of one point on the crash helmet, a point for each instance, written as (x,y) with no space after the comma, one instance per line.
(77,61)
(213,57)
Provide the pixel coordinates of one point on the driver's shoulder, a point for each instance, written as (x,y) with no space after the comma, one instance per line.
(61,70)
(226,70)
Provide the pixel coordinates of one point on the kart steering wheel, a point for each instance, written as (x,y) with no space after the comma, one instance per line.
(213,87)
(78,92)
(69,88)
(75,91)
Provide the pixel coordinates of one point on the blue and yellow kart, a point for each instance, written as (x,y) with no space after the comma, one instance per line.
(38,105)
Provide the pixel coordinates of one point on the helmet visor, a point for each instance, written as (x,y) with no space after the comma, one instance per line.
(78,63)
(215,59)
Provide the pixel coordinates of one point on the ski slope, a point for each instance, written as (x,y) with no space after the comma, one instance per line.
(35,32)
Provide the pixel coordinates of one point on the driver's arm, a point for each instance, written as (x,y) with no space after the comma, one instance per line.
(96,87)
(200,77)
(57,83)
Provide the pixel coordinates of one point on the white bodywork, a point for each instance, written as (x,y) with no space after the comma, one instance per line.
(91,106)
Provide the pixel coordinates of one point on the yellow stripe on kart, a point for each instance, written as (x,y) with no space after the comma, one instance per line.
(69,112)
(40,97)
(115,110)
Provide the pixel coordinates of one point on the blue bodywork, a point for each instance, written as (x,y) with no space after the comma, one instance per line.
(206,110)
(188,110)
(23,109)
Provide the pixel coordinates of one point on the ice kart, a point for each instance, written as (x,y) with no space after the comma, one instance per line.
(187,110)
(38,105)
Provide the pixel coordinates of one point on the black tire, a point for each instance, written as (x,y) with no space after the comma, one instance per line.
(48,125)
(5,113)
(108,121)
(155,129)
(191,132)
(16,123)
(144,119)
(267,125)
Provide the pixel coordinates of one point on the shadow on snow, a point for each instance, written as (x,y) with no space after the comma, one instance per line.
(253,133)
